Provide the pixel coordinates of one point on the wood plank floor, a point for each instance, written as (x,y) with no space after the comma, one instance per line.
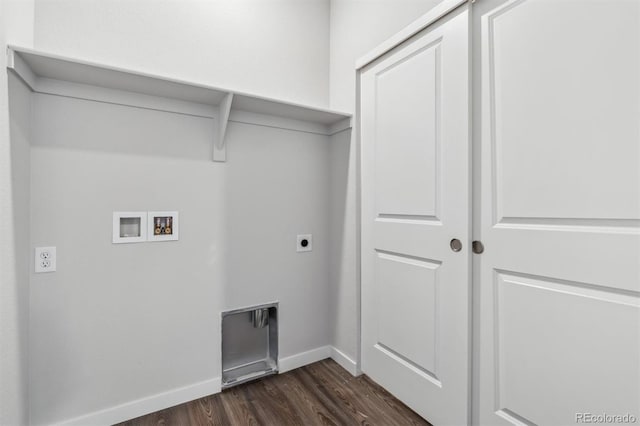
(322,393)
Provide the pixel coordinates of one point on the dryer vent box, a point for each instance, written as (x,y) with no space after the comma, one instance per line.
(249,344)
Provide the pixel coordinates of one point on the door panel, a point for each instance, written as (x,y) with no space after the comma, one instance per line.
(408,288)
(415,199)
(538,319)
(560,209)
(564,101)
(406,134)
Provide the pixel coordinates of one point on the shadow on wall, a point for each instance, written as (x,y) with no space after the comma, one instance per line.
(98,126)
(20,113)
(343,255)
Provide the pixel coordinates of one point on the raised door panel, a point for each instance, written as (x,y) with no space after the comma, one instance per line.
(407,164)
(564,102)
(408,292)
(564,345)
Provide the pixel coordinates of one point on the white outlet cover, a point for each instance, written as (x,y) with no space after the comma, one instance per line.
(302,237)
(45,259)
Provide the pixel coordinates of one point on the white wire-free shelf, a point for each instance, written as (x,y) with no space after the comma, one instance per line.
(53,74)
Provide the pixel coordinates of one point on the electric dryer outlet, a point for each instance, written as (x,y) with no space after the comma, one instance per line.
(304,243)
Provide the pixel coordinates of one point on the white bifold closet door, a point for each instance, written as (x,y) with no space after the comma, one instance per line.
(415,200)
(558,95)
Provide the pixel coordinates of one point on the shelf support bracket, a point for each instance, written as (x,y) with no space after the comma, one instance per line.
(16,64)
(220,145)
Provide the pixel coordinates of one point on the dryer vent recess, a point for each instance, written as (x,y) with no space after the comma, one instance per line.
(249,344)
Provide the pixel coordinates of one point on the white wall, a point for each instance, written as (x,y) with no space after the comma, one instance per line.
(276,48)
(16,23)
(103,335)
(117,323)
(356,27)
(19,22)
(277,188)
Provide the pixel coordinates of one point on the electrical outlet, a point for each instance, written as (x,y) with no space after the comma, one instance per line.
(45,259)
(304,243)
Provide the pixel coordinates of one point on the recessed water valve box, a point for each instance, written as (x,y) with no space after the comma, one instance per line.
(163,226)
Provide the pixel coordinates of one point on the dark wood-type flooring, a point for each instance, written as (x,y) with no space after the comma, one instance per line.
(322,393)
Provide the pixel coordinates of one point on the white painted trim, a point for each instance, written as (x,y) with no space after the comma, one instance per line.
(358,184)
(345,362)
(220,146)
(150,404)
(258,119)
(50,86)
(305,358)
(51,74)
(11,58)
(314,355)
(340,126)
(15,51)
(20,68)
(294,104)
(409,31)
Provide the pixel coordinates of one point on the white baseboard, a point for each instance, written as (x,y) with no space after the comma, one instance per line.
(304,358)
(309,357)
(345,362)
(140,407)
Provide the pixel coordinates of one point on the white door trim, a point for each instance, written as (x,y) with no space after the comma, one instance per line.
(409,31)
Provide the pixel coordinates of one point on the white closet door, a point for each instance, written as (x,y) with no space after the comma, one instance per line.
(560,214)
(415,200)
